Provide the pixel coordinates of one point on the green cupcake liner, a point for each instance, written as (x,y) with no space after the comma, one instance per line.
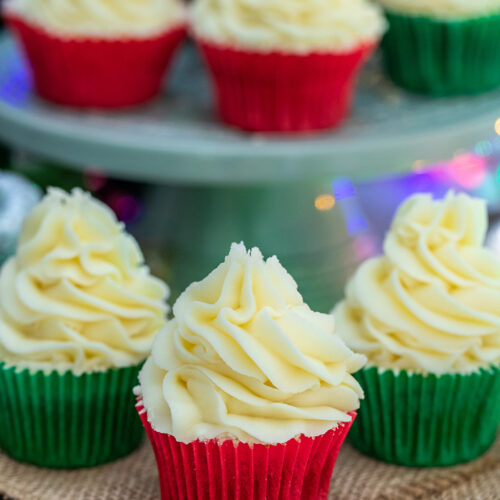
(68,421)
(427,420)
(443,58)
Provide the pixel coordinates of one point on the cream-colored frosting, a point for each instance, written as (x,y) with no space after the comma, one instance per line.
(431,303)
(288,25)
(443,9)
(77,296)
(245,358)
(102,18)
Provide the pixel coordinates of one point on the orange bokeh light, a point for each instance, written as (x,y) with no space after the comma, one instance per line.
(324,202)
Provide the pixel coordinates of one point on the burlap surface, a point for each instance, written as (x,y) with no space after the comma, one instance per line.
(356,477)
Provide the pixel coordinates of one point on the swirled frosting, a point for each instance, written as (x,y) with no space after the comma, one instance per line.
(444,9)
(101,18)
(76,296)
(245,358)
(431,303)
(288,25)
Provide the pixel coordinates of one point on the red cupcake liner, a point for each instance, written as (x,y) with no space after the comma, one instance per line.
(283,92)
(224,470)
(96,72)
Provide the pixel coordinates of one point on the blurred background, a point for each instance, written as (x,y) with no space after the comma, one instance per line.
(187,187)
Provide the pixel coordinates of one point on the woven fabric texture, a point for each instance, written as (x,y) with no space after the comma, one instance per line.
(356,477)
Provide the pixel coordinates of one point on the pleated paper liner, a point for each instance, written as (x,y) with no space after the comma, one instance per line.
(427,421)
(68,421)
(283,92)
(443,58)
(225,470)
(97,72)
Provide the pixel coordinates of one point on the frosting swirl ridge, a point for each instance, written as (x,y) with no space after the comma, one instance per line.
(77,296)
(443,9)
(289,25)
(430,304)
(245,358)
(101,18)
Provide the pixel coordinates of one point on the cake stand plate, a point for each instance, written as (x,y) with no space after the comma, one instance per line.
(176,139)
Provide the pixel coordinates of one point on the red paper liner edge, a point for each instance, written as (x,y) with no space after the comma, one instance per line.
(283,92)
(225,470)
(96,72)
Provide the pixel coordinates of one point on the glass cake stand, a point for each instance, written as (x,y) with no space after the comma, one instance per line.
(211,185)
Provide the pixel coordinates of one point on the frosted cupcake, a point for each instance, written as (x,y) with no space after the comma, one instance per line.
(247,389)
(285,65)
(78,314)
(98,53)
(443,47)
(426,316)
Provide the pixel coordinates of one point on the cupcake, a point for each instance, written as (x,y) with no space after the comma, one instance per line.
(95,53)
(443,47)
(426,316)
(78,314)
(247,389)
(285,66)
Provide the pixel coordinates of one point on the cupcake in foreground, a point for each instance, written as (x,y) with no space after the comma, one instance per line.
(443,47)
(78,314)
(285,65)
(246,388)
(426,316)
(96,53)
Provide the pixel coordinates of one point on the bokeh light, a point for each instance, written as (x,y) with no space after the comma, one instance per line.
(418,165)
(364,246)
(93,179)
(324,202)
(468,171)
(343,188)
(484,148)
(126,207)
(497,126)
